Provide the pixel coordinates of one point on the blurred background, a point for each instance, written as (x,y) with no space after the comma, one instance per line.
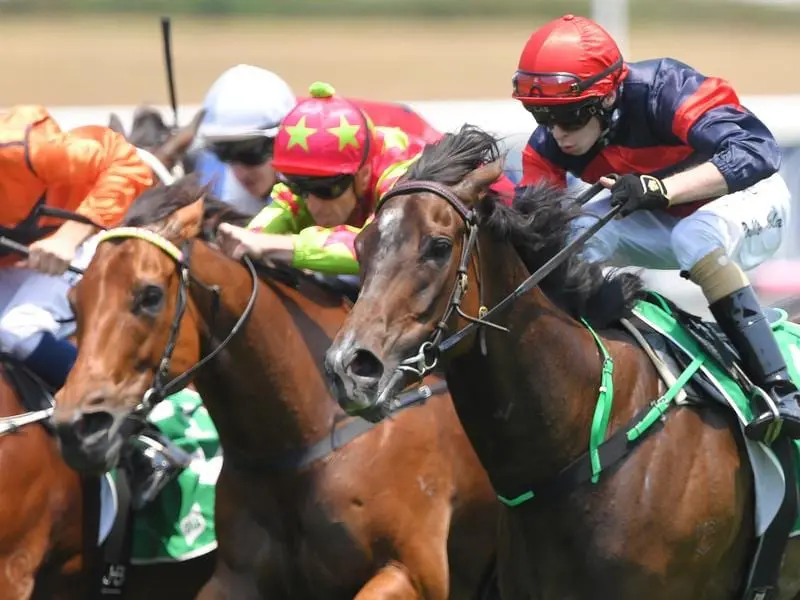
(451,59)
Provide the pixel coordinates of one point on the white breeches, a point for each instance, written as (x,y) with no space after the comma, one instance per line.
(32,303)
(749,225)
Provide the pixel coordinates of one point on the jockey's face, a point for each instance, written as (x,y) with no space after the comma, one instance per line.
(257,180)
(577,142)
(249,159)
(574,127)
(329,210)
(333,212)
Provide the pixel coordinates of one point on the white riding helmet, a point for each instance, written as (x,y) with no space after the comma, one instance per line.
(245,102)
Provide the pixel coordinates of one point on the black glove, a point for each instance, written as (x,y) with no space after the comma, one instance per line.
(636,192)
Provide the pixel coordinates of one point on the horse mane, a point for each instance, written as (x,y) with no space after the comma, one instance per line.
(157,203)
(537,224)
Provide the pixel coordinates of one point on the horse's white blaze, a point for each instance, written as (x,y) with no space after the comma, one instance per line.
(389,223)
(389,229)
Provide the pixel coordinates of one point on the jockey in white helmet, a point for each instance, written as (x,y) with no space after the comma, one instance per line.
(243,110)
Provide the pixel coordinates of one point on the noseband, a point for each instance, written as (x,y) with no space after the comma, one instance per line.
(159,389)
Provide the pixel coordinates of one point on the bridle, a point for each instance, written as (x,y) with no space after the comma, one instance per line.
(160,388)
(427,356)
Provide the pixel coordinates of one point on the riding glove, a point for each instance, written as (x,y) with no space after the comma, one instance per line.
(636,192)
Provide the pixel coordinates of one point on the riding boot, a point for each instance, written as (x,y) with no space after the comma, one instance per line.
(740,316)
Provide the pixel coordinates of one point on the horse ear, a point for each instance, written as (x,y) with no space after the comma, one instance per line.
(187,222)
(115,123)
(473,187)
(172,151)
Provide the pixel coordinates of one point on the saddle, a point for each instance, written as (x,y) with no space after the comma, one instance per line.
(674,339)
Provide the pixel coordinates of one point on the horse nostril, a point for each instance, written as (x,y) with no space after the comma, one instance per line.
(366,365)
(94,424)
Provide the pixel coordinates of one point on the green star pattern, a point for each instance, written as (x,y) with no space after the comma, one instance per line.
(346,133)
(299,134)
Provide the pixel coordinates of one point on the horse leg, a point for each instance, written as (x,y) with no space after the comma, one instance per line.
(176,580)
(227,585)
(18,573)
(392,582)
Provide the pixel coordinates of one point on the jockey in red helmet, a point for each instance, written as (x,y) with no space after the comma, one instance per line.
(698,180)
(334,165)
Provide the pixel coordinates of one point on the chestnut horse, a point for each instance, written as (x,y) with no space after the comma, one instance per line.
(403,510)
(48,546)
(675,519)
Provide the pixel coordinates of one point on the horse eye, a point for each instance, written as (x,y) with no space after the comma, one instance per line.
(149,300)
(438,249)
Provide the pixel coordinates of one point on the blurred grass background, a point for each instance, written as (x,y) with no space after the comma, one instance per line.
(711,12)
(96,52)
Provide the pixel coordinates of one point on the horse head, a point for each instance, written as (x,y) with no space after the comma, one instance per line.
(415,257)
(137,336)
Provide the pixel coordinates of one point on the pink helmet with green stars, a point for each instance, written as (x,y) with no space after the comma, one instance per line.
(323,136)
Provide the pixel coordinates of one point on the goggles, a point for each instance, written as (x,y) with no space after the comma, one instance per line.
(532,86)
(569,117)
(324,188)
(250,152)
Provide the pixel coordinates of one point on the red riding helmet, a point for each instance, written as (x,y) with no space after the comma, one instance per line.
(568,60)
(322,136)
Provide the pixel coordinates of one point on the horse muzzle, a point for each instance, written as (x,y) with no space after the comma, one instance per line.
(90,442)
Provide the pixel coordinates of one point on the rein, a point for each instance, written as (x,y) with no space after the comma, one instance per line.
(181,257)
(159,389)
(427,356)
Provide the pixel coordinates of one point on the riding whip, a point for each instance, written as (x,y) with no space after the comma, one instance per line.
(166,36)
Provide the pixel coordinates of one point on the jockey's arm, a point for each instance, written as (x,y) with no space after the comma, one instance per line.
(294,238)
(701,182)
(705,114)
(326,250)
(111,169)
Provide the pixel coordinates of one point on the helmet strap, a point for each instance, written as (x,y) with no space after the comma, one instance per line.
(609,120)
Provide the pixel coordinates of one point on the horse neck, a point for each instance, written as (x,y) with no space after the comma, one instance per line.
(527,403)
(266,392)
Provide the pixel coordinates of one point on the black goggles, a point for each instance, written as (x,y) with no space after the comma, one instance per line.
(570,117)
(324,188)
(251,152)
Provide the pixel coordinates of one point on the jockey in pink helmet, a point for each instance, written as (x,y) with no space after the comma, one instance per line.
(698,177)
(333,165)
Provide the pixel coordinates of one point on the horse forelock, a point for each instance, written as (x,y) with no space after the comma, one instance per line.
(160,202)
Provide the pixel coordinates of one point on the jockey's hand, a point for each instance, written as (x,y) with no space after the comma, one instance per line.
(51,255)
(237,242)
(637,192)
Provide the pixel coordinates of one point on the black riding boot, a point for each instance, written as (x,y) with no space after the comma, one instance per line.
(742,320)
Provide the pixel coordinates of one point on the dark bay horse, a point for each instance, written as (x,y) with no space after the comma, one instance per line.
(403,511)
(675,519)
(169,145)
